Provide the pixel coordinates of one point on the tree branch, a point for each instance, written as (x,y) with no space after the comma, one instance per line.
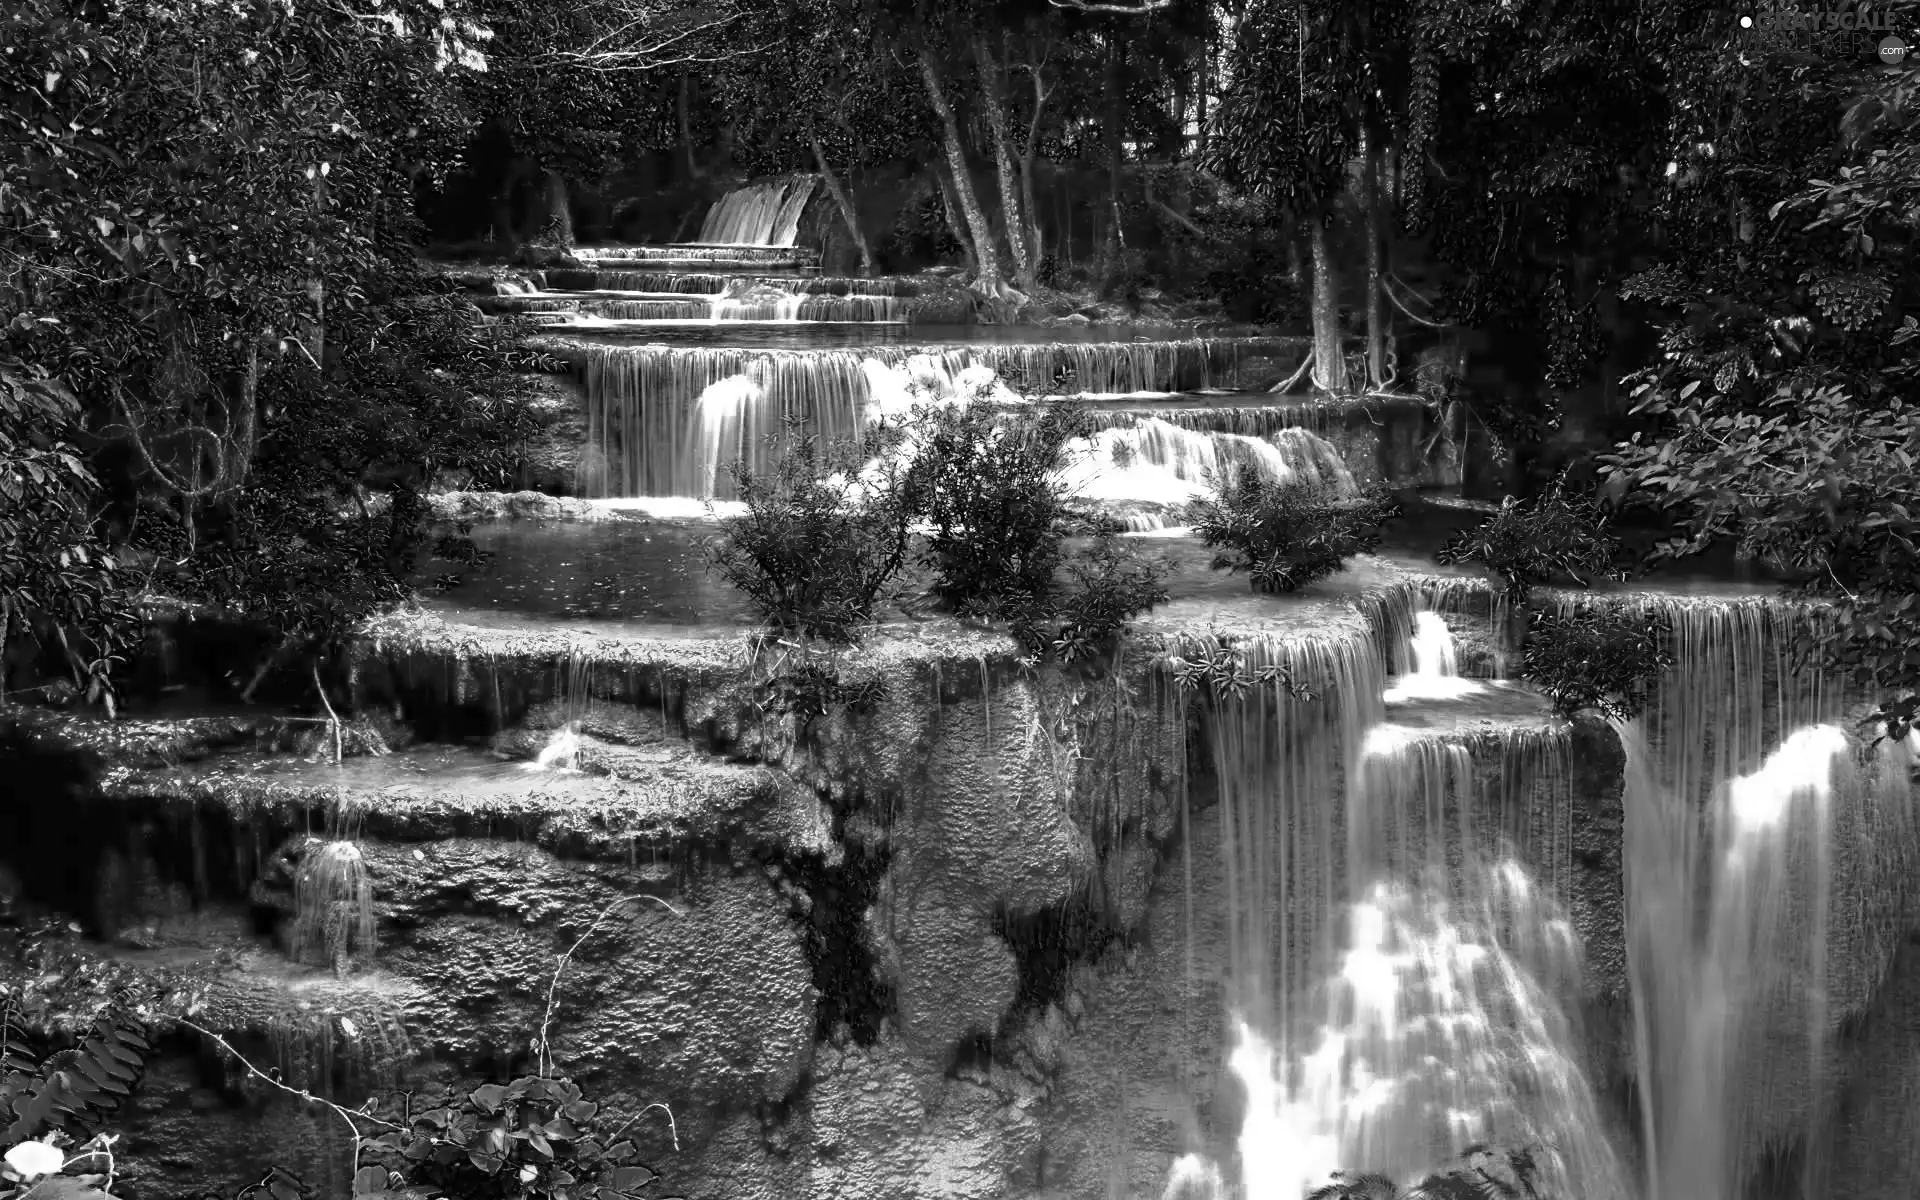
(1130,10)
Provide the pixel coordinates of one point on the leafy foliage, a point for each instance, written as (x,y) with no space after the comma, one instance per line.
(825,536)
(70,1089)
(816,549)
(1481,1174)
(60,585)
(1556,536)
(987,484)
(1778,414)
(1597,657)
(1219,672)
(203,212)
(1285,535)
(532,1137)
(58,1092)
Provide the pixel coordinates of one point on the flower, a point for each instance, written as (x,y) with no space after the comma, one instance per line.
(31,1160)
(529,1173)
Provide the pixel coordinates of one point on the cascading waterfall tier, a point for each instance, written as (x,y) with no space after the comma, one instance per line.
(655,431)
(1162,463)
(841,309)
(763,214)
(1401,967)
(1261,421)
(706,283)
(1767,859)
(742,258)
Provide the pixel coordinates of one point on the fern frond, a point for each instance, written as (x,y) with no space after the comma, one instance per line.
(83,1086)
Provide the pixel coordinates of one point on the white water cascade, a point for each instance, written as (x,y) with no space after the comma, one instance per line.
(1402,971)
(1436,670)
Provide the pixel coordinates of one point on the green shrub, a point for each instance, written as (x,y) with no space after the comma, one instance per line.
(1215,670)
(1601,658)
(1107,587)
(61,589)
(817,555)
(532,1137)
(1483,1173)
(987,485)
(1552,537)
(1285,535)
(984,483)
(814,552)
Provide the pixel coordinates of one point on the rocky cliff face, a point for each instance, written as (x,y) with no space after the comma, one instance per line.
(951,928)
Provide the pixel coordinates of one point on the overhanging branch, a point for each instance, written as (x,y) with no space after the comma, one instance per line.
(1130,10)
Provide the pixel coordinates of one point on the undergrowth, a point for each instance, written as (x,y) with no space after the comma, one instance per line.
(1597,657)
(816,550)
(535,1137)
(1285,535)
(1555,537)
(967,499)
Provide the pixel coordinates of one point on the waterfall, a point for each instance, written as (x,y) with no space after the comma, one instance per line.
(730,306)
(1161,463)
(762,214)
(641,400)
(1402,969)
(1436,669)
(1765,863)
(575,279)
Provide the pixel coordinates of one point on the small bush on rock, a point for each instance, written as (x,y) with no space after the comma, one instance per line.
(1555,536)
(533,1137)
(1600,658)
(817,553)
(1482,1173)
(1108,585)
(1285,535)
(988,485)
(985,484)
(815,550)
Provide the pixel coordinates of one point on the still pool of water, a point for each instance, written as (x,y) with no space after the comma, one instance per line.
(644,571)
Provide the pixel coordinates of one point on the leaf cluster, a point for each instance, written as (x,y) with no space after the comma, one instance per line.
(969,494)
(1557,536)
(533,1137)
(1482,1174)
(1285,535)
(60,584)
(1597,657)
(1777,414)
(1217,671)
(47,1087)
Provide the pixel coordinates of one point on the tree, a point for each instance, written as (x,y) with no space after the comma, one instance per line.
(1779,409)
(191,197)
(1299,100)
(570,87)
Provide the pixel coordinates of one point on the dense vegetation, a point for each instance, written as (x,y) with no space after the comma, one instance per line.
(967,503)
(225,377)
(1286,535)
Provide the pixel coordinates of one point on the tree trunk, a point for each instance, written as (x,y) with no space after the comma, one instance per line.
(848,213)
(987,273)
(556,220)
(316,324)
(1036,240)
(1010,207)
(243,430)
(1374,199)
(956,222)
(1116,143)
(1206,82)
(686,127)
(1329,365)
